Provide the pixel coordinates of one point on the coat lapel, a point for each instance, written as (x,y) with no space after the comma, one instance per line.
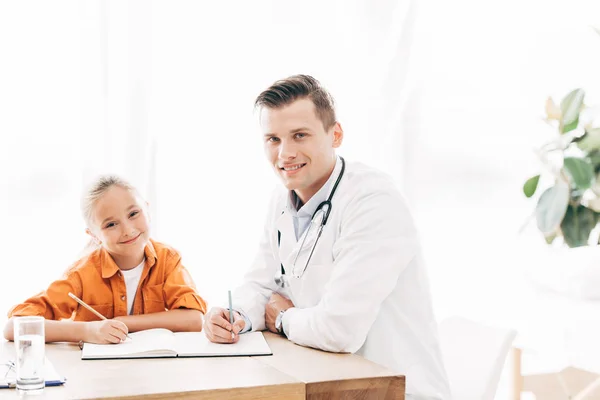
(285,226)
(291,250)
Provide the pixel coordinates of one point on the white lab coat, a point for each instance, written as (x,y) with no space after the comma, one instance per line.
(365,290)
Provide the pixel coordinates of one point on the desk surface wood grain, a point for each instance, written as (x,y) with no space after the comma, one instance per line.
(162,378)
(293,372)
(331,375)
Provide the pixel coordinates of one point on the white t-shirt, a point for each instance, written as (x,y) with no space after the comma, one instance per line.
(132,280)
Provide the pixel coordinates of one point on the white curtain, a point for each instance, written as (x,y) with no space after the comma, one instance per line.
(75,81)
(210,61)
(40,153)
(488,69)
(116,84)
(447,97)
(162,93)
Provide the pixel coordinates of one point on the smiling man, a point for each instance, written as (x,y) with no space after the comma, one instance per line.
(339,266)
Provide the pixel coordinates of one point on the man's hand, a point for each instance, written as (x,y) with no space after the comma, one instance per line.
(276,304)
(217,326)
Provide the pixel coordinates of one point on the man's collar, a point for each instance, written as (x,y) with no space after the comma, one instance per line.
(310,207)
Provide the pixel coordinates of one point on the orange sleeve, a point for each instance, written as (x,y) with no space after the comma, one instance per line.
(53,303)
(179,288)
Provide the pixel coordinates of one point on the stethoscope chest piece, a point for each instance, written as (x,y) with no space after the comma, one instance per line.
(281,280)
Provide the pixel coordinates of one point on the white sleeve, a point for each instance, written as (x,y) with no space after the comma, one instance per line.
(247,322)
(377,241)
(258,284)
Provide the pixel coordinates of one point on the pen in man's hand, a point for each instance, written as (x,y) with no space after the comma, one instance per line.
(231,314)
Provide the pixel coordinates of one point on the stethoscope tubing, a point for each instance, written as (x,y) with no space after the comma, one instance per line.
(280,280)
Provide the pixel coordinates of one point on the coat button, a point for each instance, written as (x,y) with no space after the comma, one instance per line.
(123,298)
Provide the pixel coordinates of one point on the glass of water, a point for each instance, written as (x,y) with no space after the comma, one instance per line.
(30,349)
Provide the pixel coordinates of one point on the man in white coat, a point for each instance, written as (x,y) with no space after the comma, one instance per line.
(339,266)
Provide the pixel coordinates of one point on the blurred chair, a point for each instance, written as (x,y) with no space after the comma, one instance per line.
(473,355)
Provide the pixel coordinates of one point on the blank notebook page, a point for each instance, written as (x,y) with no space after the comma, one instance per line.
(190,344)
(149,342)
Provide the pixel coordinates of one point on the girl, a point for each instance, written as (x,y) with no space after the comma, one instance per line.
(132,280)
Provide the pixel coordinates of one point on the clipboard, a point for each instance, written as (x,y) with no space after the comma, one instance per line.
(53,378)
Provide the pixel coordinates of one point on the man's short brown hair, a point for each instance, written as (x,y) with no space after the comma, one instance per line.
(288,90)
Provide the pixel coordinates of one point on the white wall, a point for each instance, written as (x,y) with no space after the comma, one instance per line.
(447,97)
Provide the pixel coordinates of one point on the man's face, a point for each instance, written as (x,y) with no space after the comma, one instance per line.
(298,147)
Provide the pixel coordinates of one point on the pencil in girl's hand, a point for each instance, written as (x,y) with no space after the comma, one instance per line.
(90,309)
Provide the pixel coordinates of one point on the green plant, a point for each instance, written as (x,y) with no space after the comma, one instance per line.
(569,207)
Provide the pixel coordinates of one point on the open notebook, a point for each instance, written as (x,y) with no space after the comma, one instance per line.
(164,343)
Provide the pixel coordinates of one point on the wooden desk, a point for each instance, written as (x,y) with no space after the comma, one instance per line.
(293,372)
(333,376)
(162,378)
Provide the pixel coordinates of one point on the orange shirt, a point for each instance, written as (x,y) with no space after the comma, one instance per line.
(165,284)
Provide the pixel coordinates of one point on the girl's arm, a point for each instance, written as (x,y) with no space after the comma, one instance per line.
(108,331)
(55,331)
(179,320)
(56,307)
(185,307)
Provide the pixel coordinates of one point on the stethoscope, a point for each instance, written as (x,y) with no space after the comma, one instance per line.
(321,214)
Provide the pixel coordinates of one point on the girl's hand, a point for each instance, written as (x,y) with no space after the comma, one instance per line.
(107,331)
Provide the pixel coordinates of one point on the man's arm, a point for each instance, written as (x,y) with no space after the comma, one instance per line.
(258,284)
(378,241)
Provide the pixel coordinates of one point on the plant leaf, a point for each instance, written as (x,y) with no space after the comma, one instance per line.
(531,185)
(550,237)
(590,141)
(580,171)
(577,225)
(594,157)
(551,207)
(570,108)
(569,127)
